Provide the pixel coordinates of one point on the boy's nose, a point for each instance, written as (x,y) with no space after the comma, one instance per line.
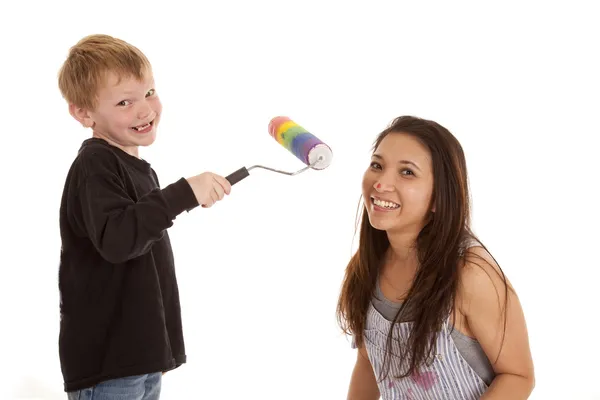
(144,112)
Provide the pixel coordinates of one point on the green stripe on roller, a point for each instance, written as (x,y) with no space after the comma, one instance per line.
(289,135)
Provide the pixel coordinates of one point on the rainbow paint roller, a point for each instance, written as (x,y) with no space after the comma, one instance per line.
(301,143)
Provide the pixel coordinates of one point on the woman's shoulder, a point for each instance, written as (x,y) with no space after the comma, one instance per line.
(481,278)
(469,242)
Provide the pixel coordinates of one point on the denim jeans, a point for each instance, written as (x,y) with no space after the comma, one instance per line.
(139,387)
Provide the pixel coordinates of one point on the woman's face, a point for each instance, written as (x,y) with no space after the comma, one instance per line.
(398,185)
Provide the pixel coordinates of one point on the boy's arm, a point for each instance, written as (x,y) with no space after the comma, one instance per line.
(120,228)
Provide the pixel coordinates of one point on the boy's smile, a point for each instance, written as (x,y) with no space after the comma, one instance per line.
(145,128)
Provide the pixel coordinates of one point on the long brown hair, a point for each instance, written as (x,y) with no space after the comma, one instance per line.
(439,244)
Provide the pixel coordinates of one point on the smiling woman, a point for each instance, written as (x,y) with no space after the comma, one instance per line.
(380,187)
(431,312)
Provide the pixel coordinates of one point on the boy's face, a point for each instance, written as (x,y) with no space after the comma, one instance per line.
(127,113)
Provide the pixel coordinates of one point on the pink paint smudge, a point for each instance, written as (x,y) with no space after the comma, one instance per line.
(425,380)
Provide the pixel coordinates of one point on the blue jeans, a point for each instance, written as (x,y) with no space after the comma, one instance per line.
(139,387)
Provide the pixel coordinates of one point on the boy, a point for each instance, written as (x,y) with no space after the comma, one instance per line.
(120,325)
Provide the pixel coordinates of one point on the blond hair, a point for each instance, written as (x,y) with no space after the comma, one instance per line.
(90,60)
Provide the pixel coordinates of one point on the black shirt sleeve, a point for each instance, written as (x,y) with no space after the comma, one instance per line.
(120,227)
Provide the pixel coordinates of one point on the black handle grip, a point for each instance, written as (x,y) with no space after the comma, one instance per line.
(237,175)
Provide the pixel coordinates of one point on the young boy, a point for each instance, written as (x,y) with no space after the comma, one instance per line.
(120,325)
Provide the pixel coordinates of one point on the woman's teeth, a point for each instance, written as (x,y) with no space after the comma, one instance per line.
(385,204)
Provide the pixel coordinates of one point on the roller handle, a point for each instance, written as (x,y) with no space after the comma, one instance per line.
(237,175)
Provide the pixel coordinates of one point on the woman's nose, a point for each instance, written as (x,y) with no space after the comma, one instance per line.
(383,186)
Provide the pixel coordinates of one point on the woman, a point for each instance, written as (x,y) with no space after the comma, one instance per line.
(430,311)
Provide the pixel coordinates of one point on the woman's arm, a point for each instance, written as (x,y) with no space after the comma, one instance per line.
(485,302)
(363,385)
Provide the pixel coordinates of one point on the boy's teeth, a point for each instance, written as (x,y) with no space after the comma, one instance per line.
(385,204)
(140,128)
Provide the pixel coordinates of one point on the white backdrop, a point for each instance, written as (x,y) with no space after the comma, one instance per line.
(260,272)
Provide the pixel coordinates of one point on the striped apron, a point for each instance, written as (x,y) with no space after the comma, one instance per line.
(449,377)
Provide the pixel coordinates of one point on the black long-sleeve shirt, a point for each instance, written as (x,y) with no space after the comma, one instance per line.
(120,312)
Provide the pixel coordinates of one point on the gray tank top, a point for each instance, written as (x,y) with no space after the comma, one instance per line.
(468,347)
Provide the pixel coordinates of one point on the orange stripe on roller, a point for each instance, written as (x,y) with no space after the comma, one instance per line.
(276,123)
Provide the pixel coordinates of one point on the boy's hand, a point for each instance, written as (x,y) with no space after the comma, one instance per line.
(209,188)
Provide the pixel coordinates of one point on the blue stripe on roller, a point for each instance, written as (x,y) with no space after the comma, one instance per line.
(301,144)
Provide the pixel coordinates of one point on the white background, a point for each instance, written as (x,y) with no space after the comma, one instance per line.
(261,271)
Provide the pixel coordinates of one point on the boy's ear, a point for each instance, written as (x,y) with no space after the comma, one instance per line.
(82,115)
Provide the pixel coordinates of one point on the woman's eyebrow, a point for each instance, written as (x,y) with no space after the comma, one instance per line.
(399,162)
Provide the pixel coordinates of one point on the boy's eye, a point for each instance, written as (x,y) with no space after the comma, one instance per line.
(150,92)
(123,103)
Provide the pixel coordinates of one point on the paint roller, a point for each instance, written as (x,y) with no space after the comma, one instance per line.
(301,143)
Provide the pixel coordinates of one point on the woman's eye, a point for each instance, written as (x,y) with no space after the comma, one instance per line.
(406,172)
(375,165)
